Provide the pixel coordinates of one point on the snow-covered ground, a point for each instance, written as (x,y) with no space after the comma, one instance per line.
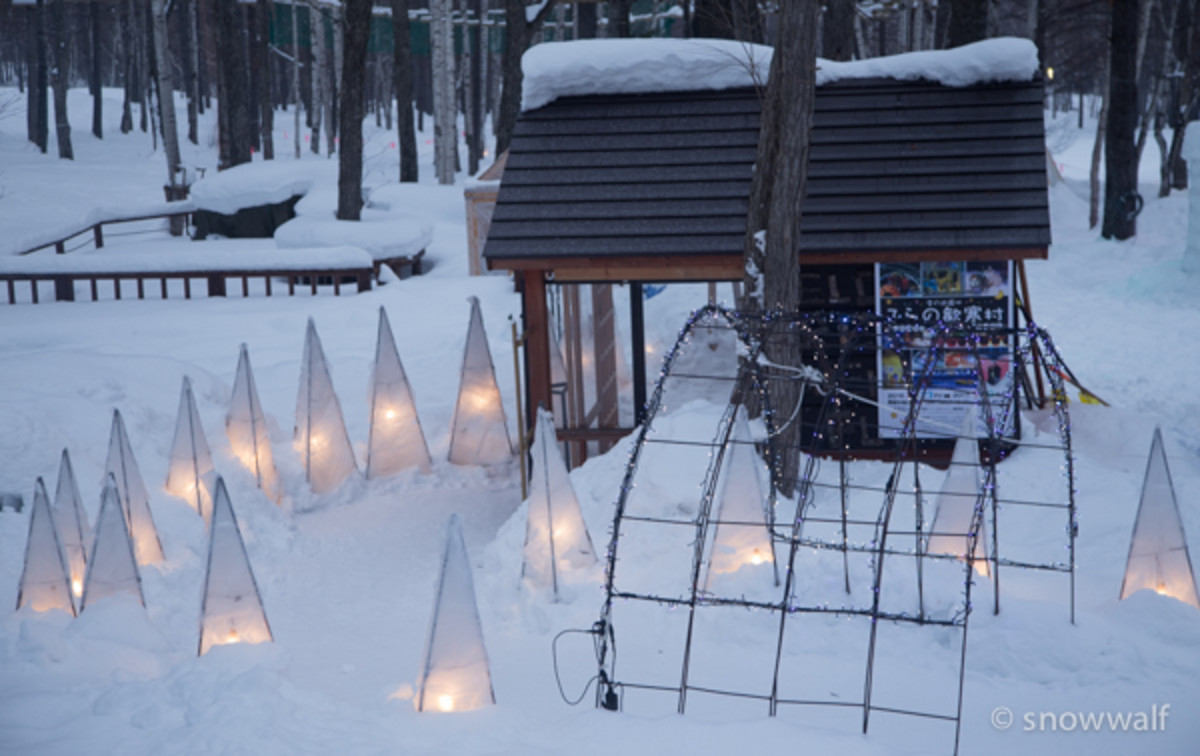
(348,578)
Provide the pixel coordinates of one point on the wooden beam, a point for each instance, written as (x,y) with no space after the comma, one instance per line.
(537,343)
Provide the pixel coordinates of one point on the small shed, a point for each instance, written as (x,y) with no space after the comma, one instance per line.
(911,183)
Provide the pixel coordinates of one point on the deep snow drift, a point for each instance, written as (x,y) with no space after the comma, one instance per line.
(348,578)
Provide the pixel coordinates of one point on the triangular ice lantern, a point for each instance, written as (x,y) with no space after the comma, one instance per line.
(190,459)
(112,568)
(45,582)
(1158,552)
(71,522)
(479,431)
(556,537)
(396,441)
(320,435)
(135,501)
(454,674)
(742,539)
(955,506)
(246,426)
(231,610)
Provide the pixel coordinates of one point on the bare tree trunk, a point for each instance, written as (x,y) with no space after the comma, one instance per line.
(232,99)
(94,83)
(39,79)
(441,39)
(968,22)
(1121,199)
(519,31)
(262,56)
(58,77)
(142,83)
(475,88)
(296,79)
(357,19)
(189,58)
(403,81)
(166,104)
(334,82)
(128,46)
(776,194)
(317,34)
(837,38)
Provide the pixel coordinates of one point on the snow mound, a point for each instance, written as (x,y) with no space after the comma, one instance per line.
(254,184)
(383,235)
(629,66)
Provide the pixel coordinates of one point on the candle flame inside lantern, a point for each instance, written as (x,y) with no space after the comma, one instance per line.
(445,703)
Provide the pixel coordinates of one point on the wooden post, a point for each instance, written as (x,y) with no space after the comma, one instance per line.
(64,289)
(537,344)
(638,324)
(98,235)
(364,282)
(216,286)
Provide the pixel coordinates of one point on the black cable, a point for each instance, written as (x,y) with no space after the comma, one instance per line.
(558,676)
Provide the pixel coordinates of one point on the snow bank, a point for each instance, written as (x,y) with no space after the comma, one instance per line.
(383,235)
(627,66)
(260,183)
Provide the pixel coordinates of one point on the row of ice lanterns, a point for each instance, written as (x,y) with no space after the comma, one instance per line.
(60,573)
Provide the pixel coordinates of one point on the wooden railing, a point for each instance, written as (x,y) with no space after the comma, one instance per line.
(96,228)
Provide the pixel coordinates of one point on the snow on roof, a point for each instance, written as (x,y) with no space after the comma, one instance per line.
(626,66)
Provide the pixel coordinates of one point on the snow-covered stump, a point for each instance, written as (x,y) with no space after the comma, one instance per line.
(455,675)
(1158,553)
(246,427)
(954,511)
(72,523)
(112,567)
(131,489)
(556,537)
(396,441)
(479,430)
(320,434)
(741,544)
(45,581)
(231,610)
(191,459)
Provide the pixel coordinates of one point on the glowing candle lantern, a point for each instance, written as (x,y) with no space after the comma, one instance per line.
(45,581)
(231,610)
(246,426)
(135,500)
(742,538)
(956,502)
(479,431)
(71,522)
(320,435)
(1158,553)
(556,537)
(191,459)
(396,441)
(455,675)
(112,567)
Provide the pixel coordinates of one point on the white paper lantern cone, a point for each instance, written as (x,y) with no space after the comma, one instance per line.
(190,459)
(955,505)
(231,610)
(72,524)
(1158,553)
(246,426)
(479,431)
(396,441)
(45,582)
(455,675)
(556,537)
(320,436)
(741,542)
(112,567)
(135,500)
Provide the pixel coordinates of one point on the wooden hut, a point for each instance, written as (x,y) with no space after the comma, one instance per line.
(641,188)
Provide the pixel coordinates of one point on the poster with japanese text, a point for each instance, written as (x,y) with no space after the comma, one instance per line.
(916,299)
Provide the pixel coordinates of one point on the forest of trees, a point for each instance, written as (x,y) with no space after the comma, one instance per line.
(1134,63)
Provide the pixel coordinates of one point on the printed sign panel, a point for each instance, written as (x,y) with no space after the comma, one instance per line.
(914,298)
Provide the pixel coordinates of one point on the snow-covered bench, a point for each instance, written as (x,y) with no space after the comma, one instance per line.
(213,263)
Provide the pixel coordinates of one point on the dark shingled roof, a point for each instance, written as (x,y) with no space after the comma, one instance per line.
(899,170)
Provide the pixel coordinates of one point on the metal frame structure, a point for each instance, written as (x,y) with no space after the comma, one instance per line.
(826,340)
